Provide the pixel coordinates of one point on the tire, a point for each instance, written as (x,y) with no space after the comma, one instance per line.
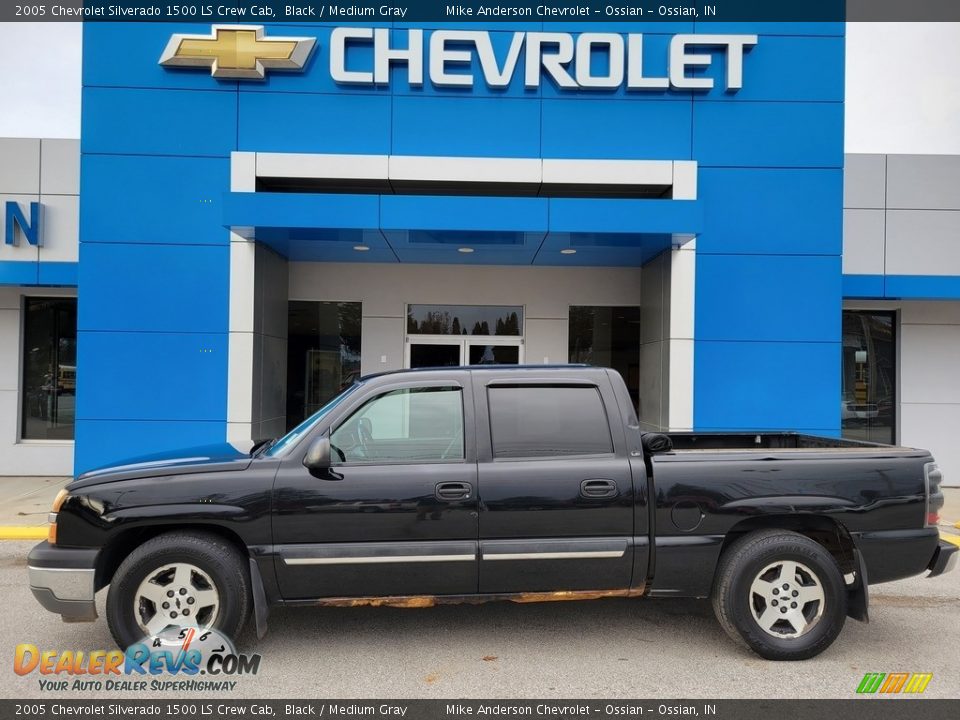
(757,566)
(157,568)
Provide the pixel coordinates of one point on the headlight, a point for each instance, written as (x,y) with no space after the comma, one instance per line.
(52,517)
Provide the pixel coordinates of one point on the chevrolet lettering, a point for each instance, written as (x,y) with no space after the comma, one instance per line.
(569,61)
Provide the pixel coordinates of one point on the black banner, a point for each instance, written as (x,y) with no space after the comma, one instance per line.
(414,11)
(855,709)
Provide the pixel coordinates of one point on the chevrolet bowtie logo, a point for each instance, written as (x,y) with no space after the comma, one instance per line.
(237,51)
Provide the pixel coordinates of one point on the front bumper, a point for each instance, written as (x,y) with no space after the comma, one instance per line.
(63,580)
(944,559)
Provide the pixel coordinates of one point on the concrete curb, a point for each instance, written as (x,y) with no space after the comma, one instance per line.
(950,538)
(14,532)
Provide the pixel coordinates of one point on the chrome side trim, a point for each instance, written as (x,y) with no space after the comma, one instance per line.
(570,555)
(377,559)
(64,583)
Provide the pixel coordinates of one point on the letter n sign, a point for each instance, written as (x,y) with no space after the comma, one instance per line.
(14,217)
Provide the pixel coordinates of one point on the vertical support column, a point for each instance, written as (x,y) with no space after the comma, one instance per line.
(257,357)
(240,354)
(683,270)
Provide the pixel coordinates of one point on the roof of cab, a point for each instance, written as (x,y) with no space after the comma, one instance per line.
(481,368)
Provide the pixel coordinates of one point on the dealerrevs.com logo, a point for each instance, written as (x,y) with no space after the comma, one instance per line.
(176,652)
(894,683)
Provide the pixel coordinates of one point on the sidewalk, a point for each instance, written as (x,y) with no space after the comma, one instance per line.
(24,504)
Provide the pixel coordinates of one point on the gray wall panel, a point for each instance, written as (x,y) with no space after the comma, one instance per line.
(930,182)
(60,167)
(923,242)
(20,166)
(863,242)
(863,181)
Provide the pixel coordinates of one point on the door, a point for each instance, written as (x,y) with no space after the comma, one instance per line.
(556,495)
(396,514)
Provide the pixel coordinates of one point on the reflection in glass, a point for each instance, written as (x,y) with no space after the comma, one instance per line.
(494,354)
(426,355)
(464,320)
(868,403)
(607,337)
(408,425)
(49,368)
(323,354)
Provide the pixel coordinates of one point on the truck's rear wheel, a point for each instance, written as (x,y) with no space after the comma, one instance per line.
(781,593)
(178,580)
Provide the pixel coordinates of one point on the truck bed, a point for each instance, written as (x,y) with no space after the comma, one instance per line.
(764,441)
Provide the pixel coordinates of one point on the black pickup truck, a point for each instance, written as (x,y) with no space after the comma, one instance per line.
(516,483)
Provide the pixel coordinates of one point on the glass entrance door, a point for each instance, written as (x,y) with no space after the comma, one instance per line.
(430,354)
(492,353)
(450,335)
(444,351)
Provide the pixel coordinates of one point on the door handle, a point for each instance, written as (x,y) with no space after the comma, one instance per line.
(453,491)
(598,488)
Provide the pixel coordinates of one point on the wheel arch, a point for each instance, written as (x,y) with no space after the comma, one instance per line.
(124,542)
(830,534)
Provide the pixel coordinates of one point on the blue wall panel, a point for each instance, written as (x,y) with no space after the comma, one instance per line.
(158,122)
(776,385)
(291,122)
(617,129)
(130,199)
(771,211)
(768,134)
(458,126)
(153,376)
(759,297)
(154,288)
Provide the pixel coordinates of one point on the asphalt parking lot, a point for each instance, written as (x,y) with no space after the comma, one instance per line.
(604,648)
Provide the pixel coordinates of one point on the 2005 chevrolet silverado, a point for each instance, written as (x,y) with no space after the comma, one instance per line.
(519,483)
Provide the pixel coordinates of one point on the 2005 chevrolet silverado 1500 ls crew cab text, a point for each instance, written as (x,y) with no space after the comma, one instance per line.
(519,483)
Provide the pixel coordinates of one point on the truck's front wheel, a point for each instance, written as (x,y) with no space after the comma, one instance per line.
(178,580)
(781,593)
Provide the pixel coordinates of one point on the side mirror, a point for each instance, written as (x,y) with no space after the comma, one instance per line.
(318,454)
(655,443)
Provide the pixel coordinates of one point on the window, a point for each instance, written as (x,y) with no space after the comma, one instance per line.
(406,425)
(323,354)
(464,320)
(548,421)
(49,368)
(607,337)
(868,402)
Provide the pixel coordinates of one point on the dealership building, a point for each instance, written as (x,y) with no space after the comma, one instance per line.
(253,217)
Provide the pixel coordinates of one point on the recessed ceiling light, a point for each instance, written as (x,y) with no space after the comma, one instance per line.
(465,250)
(361,248)
(568,251)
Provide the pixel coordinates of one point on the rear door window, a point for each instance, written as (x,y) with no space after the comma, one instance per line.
(548,421)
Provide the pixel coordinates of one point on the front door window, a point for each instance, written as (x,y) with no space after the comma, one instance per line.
(406,425)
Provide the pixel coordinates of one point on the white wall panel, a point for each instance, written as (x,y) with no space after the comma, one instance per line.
(930,360)
(934,428)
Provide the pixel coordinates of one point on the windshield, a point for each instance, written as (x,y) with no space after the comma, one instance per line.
(280,447)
